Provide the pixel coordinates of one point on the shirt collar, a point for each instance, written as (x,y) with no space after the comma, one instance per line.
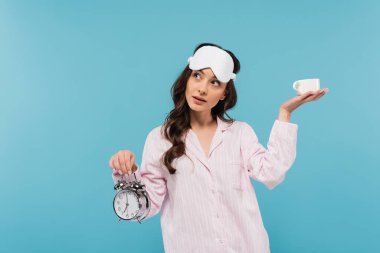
(216,141)
(222,126)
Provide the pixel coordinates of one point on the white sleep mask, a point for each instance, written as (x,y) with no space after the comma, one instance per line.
(215,58)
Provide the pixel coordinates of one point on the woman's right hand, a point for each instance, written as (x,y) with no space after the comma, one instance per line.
(124,162)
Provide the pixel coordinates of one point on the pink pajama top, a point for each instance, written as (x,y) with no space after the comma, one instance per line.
(209,204)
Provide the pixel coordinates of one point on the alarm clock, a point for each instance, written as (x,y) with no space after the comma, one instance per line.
(132,201)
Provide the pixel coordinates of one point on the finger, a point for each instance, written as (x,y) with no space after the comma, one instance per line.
(127,162)
(305,95)
(110,163)
(134,167)
(116,164)
(314,97)
(324,90)
(312,93)
(122,162)
(311,98)
(321,94)
(132,163)
(113,163)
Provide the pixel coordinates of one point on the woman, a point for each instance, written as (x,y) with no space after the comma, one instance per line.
(197,166)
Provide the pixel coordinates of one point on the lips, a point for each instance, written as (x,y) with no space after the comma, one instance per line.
(199,98)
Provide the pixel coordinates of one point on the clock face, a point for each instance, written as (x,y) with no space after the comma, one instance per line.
(126,204)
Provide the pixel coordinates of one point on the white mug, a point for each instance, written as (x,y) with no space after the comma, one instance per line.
(305,85)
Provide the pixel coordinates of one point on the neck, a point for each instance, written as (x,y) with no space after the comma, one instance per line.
(201,120)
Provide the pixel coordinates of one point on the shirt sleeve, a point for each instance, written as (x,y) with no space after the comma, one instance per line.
(151,174)
(269,166)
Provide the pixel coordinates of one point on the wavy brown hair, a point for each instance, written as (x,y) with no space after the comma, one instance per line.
(177,122)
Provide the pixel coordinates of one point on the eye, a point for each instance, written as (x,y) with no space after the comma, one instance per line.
(195,75)
(198,74)
(217,82)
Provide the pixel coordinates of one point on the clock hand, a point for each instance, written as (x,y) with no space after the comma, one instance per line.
(126,206)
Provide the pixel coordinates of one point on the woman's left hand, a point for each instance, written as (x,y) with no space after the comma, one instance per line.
(290,105)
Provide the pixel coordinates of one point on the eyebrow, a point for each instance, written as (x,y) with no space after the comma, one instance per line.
(203,73)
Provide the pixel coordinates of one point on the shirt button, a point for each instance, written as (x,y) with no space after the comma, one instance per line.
(221,241)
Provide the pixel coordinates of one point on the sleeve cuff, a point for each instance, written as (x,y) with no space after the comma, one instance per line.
(285,128)
(117,176)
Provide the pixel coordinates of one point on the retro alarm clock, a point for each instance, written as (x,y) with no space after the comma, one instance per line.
(131,202)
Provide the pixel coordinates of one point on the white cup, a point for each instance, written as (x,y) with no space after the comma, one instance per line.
(305,85)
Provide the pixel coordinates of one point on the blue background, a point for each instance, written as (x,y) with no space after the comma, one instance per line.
(81,80)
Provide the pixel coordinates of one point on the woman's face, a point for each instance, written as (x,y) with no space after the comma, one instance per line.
(202,83)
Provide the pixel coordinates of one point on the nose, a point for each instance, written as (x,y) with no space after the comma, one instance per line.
(203,87)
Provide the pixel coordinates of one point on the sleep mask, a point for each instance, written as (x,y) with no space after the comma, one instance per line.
(220,62)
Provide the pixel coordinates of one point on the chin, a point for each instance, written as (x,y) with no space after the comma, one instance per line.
(196,108)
